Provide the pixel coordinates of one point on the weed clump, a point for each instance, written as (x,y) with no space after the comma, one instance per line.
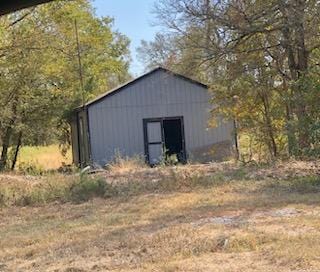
(87,188)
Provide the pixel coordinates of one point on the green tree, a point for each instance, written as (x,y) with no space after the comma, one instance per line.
(265,53)
(39,69)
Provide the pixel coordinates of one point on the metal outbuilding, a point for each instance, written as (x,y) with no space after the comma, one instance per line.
(157,115)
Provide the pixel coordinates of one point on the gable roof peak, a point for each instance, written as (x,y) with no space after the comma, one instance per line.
(122,86)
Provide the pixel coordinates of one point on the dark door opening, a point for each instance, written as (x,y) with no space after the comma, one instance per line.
(164,140)
(173,139)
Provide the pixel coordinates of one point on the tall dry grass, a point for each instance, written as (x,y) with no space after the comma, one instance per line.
(127,178)
(42,158)
(51,188)
(123,165)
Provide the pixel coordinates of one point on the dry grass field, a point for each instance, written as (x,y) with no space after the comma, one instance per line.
(217,217)
(43,157)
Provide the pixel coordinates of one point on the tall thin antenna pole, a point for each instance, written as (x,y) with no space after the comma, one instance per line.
(80,64)
(208,28)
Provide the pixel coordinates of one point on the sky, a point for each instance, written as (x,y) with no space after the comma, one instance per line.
(134,19)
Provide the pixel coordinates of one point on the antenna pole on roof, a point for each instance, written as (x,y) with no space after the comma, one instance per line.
(80,64)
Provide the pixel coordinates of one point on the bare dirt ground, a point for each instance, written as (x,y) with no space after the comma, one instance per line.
(216,217)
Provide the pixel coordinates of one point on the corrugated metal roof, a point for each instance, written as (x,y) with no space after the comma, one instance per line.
(122,87)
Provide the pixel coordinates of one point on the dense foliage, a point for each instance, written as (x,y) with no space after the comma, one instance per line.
(40,71)
(261,59)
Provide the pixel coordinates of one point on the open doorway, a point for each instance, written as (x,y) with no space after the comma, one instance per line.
(173,139)
(164,140)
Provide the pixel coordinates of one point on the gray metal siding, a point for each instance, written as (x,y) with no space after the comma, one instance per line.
(116,122)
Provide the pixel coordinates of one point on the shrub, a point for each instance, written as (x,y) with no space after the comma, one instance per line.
(31,169)
(305,184)
(61,188)
(88,187)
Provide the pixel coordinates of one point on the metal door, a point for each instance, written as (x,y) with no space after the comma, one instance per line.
(154,143)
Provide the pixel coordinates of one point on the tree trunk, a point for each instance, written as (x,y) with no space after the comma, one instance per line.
(16,153)
(272,142)
(292,141)
(7,137)
(291,137)
(294,44)
(208,28)
(236,140)
(302,68)
(5,147)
